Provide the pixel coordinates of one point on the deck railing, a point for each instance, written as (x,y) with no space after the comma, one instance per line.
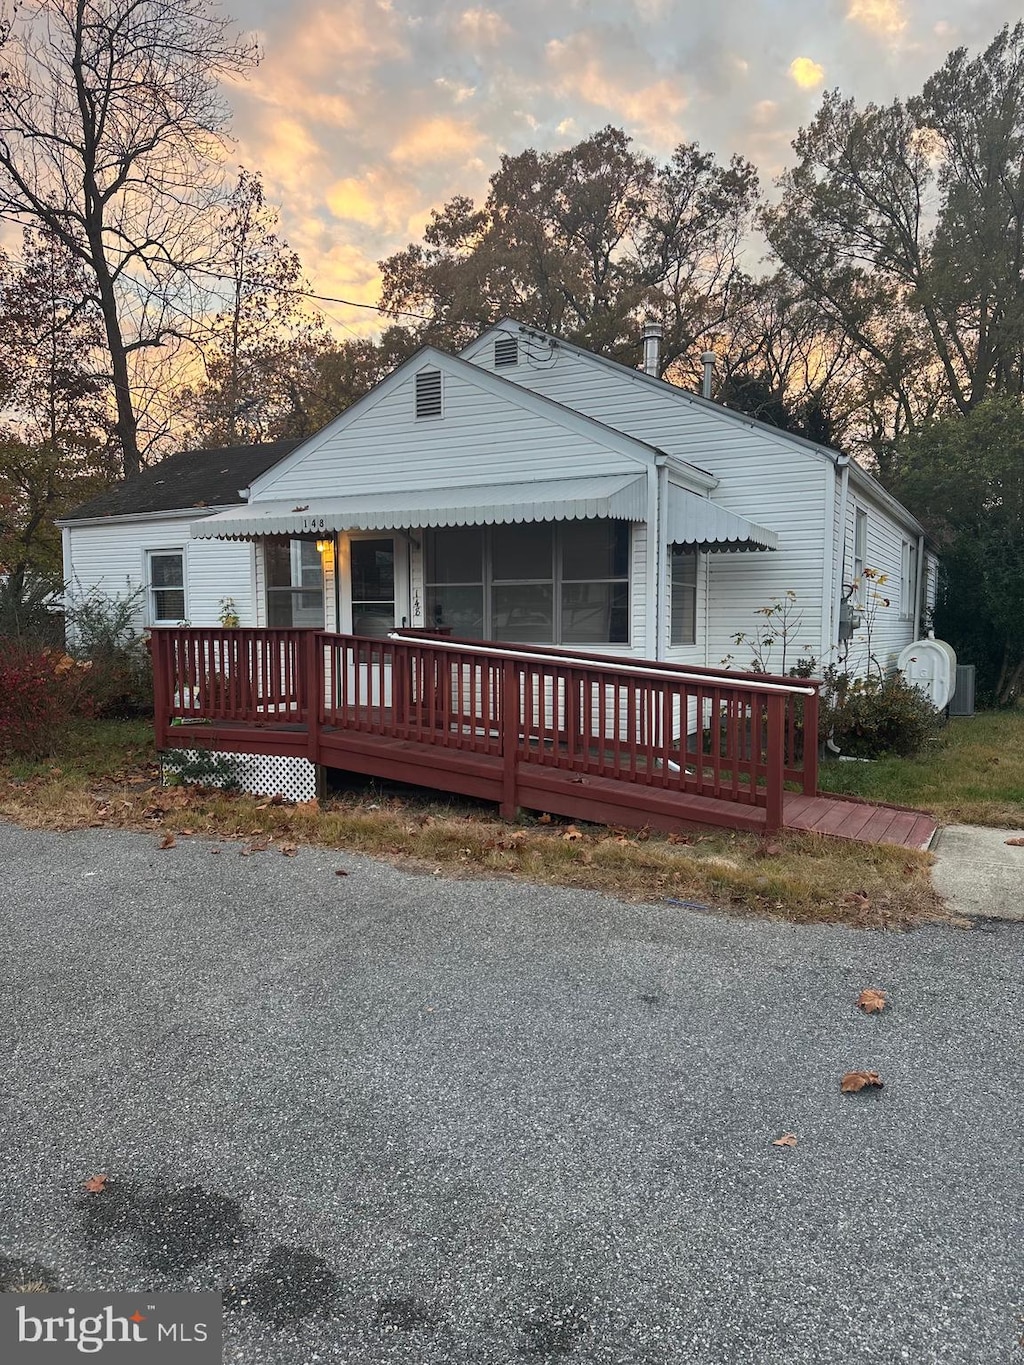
(729,736)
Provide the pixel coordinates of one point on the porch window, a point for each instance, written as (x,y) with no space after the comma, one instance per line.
(295,583)
(684,596)
(166,579)
(534,583)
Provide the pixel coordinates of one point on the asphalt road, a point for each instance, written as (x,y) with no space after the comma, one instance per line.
(397,1118)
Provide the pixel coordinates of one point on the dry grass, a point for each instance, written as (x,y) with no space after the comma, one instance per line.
(112,781)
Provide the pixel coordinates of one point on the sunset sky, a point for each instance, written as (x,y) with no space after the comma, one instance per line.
(365,114)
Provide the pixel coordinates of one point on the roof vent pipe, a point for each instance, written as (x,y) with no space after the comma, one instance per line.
(653,332)
(708,361)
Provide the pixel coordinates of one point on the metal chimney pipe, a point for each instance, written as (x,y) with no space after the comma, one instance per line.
(708,361)
(653,332)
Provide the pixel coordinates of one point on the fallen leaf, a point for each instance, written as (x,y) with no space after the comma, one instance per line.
(857,1080)
(871,1001)
(786,1140)
(860,899)
(572,834)
(544,819)
(340,872)
(1015,843)
(168,841)
(289,850)
(96,1184)
(680,839)
(277,799)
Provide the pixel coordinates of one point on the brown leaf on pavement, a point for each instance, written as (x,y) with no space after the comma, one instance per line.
(786,1140)
(168,841)
(340,872)
(871,1000)
(1015,843)
(96,1184)
(857,1080)
(289,850)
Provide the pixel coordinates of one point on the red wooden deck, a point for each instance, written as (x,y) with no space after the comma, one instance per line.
(616,741)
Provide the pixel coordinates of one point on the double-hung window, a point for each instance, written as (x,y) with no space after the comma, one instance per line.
(295,583)
(684,596)
(532,583)
(166,586)
(908,579)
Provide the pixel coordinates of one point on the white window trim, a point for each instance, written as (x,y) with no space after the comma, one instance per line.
(147,577)
(860,553)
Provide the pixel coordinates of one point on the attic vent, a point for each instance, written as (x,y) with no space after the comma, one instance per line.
(428,393)
(506,351)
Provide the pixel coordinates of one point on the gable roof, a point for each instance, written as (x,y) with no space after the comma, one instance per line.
(858,474)
(557,413)
(185,481)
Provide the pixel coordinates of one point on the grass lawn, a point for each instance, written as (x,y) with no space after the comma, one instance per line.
(974,773)
(104,773)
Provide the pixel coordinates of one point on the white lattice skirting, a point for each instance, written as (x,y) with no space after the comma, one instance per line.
(258,774)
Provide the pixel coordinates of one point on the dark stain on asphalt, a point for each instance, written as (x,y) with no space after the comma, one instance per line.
(175,1227)
(404,1311)
(651,998)
(294,1283)
(16,1275)
(553,1331)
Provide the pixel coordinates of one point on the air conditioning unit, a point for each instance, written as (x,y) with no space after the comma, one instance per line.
(961,703)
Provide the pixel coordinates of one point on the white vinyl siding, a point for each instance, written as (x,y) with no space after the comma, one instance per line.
(111,558)
(483,438)
(765,478)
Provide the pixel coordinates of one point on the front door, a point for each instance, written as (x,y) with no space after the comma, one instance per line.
(373,586)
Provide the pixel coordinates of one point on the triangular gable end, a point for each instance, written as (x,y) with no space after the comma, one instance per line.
(480,428)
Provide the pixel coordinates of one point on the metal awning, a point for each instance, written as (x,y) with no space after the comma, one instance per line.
(697,523)
(607,495)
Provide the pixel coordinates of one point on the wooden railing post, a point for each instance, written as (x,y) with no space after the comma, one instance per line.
(509,737)
(776,760)
(161,688)
(811,722)
(311,690)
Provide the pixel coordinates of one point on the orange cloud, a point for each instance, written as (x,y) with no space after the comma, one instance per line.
(581,72)
(881,16)
(437,139)
(806,73)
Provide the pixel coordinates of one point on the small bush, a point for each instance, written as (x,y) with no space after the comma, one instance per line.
(103,632)
(874,716)
(40,689)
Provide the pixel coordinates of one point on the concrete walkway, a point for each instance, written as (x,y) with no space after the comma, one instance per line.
(978,872)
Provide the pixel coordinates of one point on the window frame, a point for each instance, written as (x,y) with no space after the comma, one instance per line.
(278,592)
(151,590)
(908,579)
(860,551)
(681,554)
(487,583)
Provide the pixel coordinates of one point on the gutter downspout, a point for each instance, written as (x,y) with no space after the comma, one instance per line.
(919,591)
(843,464)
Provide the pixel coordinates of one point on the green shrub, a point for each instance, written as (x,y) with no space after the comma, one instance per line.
(874,716)
(102,631)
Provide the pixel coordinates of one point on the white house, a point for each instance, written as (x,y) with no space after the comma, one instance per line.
(528,491)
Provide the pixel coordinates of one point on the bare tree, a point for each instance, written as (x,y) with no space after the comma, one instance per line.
(112,130)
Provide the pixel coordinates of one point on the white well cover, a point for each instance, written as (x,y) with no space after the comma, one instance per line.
(931,666)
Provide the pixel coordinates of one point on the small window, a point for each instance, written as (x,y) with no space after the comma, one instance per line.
(908,579)
(428,393)
(506,351)
(166,587)
(860,551)
(684,596)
